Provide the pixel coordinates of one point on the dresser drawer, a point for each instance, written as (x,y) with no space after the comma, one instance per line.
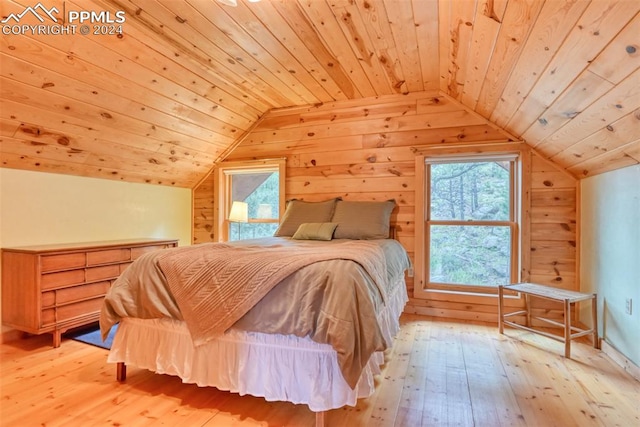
(63,278)
(54,316)
(48,299)
(48,317)
(77,309)
(75,293)
(62,261)
(102,273)
(108,256)
(124,266)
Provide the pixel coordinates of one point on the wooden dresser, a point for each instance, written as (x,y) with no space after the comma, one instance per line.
(52,288)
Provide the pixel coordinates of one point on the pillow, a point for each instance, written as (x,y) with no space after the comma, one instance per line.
(298,212)
(363,220)
(315,231)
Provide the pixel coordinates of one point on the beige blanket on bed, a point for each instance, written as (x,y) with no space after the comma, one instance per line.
(335,301)
(215,285)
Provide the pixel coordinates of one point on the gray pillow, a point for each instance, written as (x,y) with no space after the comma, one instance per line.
(315,231)
(299,212)
(363,220)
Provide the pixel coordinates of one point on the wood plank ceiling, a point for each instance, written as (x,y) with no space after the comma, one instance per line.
(188,79)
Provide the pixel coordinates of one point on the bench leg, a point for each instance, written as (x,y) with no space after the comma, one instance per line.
(567,329)
(500,309)
(594,319)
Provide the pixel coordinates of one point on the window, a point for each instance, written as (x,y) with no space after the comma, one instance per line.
(250,198)
(471,232)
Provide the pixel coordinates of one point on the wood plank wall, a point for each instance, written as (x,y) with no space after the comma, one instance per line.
(554,225)
(364,150)
(203,206)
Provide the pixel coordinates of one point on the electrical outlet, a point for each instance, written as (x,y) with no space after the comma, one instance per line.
(627,306)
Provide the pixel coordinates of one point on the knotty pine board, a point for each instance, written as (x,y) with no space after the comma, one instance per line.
(515,27)
(599,23)
(615,135)
(627,155)
(555,21)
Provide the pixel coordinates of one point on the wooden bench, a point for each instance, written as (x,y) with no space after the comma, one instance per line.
(568,298)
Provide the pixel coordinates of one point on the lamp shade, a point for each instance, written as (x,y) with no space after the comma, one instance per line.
(239,212)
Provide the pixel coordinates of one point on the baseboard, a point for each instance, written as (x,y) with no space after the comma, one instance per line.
(620,359)
(452,314)
(456,311)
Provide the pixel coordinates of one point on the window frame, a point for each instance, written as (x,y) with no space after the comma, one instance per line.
(519,207)
(224,173)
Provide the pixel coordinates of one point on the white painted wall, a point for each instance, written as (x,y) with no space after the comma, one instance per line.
(42,208)
(610,255)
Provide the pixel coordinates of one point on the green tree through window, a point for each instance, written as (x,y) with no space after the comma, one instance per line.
(470,222)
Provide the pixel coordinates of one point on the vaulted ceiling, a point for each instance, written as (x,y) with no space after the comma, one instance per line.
(187,80)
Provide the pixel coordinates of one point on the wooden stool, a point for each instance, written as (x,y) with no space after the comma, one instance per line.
(568,298)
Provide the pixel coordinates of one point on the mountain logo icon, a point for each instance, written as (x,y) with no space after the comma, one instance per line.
(37,11)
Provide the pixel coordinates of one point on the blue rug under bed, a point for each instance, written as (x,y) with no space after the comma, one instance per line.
(91,336)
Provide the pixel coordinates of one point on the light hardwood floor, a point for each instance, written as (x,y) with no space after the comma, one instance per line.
(439,373)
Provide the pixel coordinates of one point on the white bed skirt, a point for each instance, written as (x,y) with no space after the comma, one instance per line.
(275,367)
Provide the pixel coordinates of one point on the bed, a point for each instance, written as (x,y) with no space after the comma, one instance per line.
(297,317)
